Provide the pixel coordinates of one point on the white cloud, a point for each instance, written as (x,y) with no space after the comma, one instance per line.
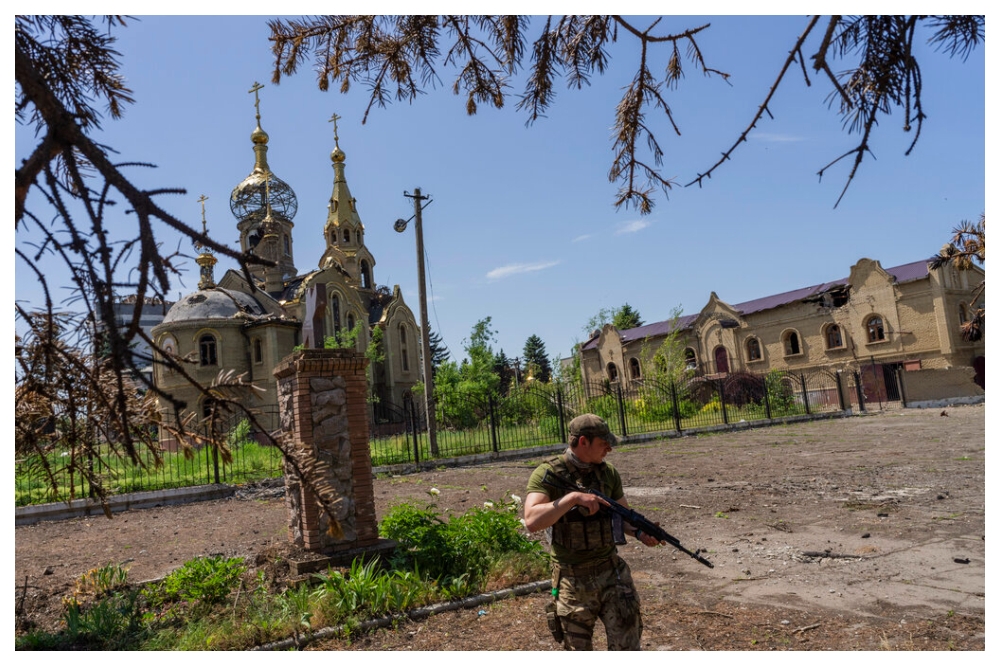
(581,238)
(631,227)
(514,269)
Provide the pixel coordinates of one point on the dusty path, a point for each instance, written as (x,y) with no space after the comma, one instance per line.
(871,522)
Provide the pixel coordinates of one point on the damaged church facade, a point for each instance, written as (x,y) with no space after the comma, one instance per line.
(897,322)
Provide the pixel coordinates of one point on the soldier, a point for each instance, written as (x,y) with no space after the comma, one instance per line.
(589,580)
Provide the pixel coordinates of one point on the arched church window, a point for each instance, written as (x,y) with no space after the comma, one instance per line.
(350,321)
(206,407)
(258,351)
(366,275)
(634,370)
(207,350)
(288,245)
(753,349)
(253,239)
(612,372)
(690,359)
(403,356)
(347,235)
(335,312)
(876,329)
(834,339)
(791,342)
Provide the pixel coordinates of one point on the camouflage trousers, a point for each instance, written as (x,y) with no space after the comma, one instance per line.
(588,592)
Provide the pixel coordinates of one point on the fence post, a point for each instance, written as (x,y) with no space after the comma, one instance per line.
(840,390)
(805,392)
(899,385)
(860,391)
(493,424)
(562,419)
(413,429)
(677,409)
(722,401)
(215,460)
(621,410)
(767,398)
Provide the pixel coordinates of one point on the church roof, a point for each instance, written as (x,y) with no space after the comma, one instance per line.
(215,303)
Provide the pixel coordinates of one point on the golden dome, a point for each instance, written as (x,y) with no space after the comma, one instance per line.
(259,136)
(337,155)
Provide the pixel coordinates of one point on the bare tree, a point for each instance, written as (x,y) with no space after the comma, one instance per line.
(966,249)
(400,56)
(65,67)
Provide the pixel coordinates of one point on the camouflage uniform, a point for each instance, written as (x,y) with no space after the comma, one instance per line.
(589,580)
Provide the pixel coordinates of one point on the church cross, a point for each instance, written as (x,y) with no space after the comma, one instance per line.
(204,225)
(256,97)
(333,119)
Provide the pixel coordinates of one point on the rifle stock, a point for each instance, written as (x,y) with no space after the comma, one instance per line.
(632,516)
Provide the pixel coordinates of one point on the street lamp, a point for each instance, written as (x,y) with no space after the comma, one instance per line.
(425,343)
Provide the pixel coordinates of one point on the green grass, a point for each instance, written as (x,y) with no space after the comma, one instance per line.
(215,603)
(251,462)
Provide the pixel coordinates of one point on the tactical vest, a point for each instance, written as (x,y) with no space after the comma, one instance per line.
(575,531)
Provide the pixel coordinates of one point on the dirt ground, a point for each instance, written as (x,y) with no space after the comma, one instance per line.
(862,533)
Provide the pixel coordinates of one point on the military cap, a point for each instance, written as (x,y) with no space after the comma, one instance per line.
(591,426)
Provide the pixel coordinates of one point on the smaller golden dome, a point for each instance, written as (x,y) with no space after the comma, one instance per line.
(337,155)
(259,136)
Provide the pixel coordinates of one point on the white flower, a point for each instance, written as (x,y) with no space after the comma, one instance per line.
(488,505)
(434,491)
(516,499)
(524,524)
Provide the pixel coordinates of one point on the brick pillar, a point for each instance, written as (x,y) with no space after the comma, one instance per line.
(322,398)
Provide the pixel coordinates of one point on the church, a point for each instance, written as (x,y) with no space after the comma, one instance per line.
(227,324)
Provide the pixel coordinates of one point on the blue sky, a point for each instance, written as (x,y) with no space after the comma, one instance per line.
(522,226)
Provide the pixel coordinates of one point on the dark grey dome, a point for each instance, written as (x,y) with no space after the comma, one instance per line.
(213,303)
(250,197)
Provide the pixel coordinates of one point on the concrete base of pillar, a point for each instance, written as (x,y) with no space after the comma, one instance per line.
(344,558)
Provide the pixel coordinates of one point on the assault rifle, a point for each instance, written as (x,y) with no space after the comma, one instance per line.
(633,517)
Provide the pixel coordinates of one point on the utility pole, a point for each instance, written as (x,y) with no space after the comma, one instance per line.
(425,343)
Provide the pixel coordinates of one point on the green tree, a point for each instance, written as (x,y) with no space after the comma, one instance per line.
(439,351)
(461,389)
(536,360)
(506,370)
(623,318)
(626,317)
(669,366)
(396,56)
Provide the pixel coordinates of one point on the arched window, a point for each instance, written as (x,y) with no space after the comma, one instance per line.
(366,275)
(206,407)
(347,235)
(753,349)
(288,245)
(634,370)
(721,359)
(791,342)
(258,351)
(207,350)
(875,328)
(350,321)
(253,239)
(335,312)
(333,237)
(403,355)
(834,339)
(690,359)
(612,372)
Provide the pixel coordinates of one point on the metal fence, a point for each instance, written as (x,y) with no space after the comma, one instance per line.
(529,415)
